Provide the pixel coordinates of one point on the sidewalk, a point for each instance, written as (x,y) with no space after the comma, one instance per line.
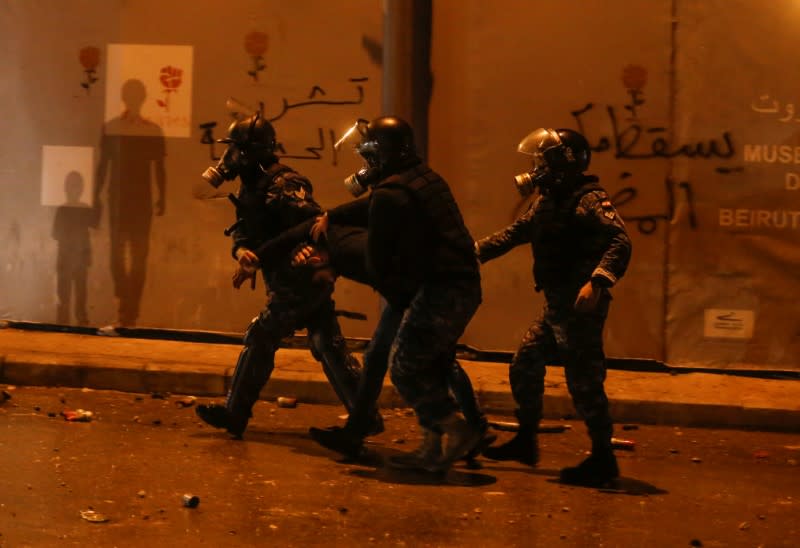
(204,369)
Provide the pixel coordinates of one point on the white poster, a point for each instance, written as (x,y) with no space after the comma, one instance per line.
(67,176)
(148,90)
(728,324)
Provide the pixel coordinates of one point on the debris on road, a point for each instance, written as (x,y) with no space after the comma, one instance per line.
(286,401)
(108,331)
(623,444)
(188,401)
(78,415)
(509,426)
(761,454)
(190,501)
(159,395)
(4,396)
(94,517)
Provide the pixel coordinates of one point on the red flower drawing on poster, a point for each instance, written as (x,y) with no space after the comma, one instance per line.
(89,58)
(171,78)
(255,44)
(634,77)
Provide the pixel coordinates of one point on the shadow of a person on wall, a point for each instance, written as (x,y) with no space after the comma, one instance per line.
(71,232)
(132,150)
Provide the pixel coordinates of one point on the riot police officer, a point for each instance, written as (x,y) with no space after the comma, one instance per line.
(580,250)
(272,198)
(420,258)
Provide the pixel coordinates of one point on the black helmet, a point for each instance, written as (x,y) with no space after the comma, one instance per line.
(253,134)
(560,150)
(387,142)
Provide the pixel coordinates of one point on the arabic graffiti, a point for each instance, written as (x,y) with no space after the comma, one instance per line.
(314,152)
(626,143)
(316,97)
(632,139)
(647,224)
(207,138)
(312,100)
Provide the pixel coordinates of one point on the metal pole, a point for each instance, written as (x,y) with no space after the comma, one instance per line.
(407,78)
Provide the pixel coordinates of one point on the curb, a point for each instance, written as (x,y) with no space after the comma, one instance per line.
(208,380)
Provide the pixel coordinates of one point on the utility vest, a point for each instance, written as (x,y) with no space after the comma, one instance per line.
(450,252)
(560,244)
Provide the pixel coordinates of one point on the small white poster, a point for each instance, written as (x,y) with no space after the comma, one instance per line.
(148,90)
(67,176)
(726,323)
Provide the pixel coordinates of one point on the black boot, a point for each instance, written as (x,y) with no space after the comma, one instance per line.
(596,470)
(338,439)
(488,439)
(376,427)
(218,416)
(523,447)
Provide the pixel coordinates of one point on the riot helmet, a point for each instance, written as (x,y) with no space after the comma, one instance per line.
(251,143)
(556,153)
(386,146)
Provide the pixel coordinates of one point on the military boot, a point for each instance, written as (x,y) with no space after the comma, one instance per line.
(487,439)
(523,447)
(462,437)
(339,439)
(376,425)
(424,457)
(597,470)
(218,416)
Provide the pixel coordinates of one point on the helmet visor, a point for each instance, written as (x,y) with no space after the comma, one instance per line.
(354,135)
(536,142)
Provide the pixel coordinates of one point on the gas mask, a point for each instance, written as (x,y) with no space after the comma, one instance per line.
(359,182)
(251,142)
(227,169)
(544,179)
(544,146)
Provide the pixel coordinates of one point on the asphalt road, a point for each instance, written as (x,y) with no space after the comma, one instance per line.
(134,460)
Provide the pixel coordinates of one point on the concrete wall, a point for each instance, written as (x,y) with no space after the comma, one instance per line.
(689,106)
(319,59)
(684,102)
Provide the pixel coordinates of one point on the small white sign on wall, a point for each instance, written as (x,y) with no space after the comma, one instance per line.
(148,90)
(727,323)
(67,176)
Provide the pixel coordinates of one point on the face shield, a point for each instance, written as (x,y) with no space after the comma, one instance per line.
(358,138)
(535,144)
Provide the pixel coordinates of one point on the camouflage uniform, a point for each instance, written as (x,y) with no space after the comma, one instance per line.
(424,348)
(438,277)
(297,298)
(576,236)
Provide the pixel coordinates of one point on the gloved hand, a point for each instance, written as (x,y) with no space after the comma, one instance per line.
(309,255)
(247,268)
(242,274)
(320,227)
(588,297)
